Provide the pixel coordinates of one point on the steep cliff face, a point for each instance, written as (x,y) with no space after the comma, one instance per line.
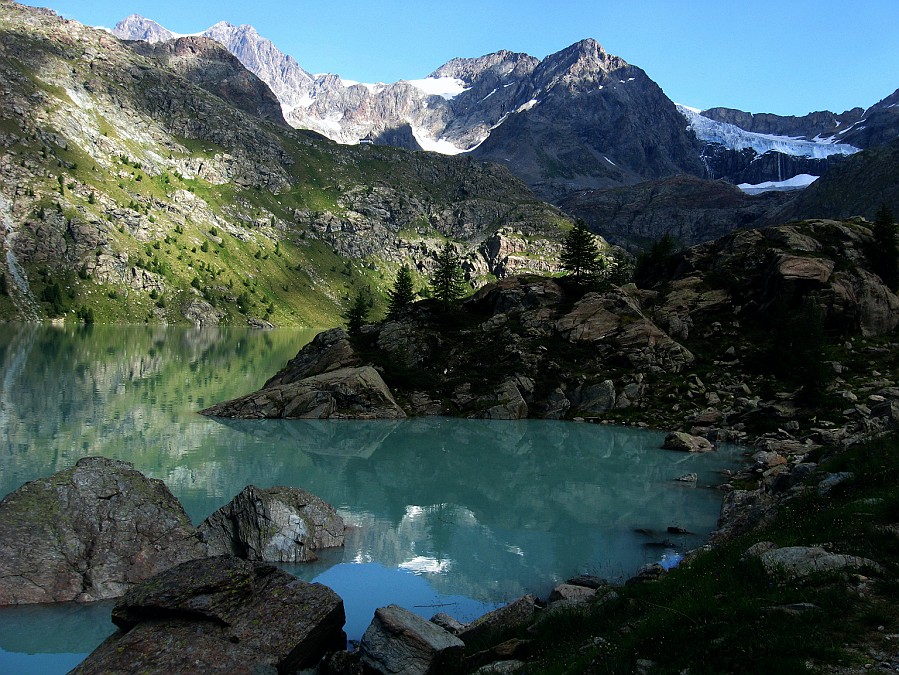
(159,183)
(689,209)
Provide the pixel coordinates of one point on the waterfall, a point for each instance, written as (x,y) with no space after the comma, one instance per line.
(26,304)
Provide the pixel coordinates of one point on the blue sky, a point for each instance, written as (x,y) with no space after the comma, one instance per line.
(787,56)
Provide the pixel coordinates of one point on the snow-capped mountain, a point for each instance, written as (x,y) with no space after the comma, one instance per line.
(580,118)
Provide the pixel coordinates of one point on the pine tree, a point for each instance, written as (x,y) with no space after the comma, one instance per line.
(884,255)
(448,280)
(402,294)
(357,314)
(580,254)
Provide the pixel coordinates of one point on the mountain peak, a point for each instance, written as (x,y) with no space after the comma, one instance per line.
(137,27)
(503,62)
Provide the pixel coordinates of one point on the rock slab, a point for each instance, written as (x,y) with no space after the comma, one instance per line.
(221,613)
(398,642)
(352,392)
(89,533)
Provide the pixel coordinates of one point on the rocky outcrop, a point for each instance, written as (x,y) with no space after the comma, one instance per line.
(89,533)
(358,393)
(398,642)
(237,615)
(279,524)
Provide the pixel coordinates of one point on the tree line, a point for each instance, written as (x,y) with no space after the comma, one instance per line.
(580,258)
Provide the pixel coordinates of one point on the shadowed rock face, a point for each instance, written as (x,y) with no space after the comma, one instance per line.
(89,533)
(241,616)
(280,524)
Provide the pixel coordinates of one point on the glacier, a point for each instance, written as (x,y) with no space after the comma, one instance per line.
(735,138)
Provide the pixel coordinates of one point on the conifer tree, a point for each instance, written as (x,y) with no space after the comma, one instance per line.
(580,254)
(448,280)
(402,294)
(357,314)
(884,255)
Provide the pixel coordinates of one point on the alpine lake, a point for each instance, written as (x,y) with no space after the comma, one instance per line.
(444,515)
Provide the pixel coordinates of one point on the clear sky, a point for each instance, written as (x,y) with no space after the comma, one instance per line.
(788,57)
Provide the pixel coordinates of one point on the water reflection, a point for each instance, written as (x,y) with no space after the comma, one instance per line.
(461,513)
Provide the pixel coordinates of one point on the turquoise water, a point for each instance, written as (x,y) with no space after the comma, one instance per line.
(447,515)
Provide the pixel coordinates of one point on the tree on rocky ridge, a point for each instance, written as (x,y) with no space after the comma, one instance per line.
(448,280)
(884,253)
(580,254)
(357,314)
(402,294)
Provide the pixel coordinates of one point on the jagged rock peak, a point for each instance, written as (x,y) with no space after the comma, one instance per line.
(137,27)
(502,63)
(588,52)
(585,61)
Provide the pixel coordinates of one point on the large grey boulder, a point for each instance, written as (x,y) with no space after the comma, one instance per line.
(398,642)
(358,393)
(801,561)
(221,613)
(89,533)
(684,442)
(279,524)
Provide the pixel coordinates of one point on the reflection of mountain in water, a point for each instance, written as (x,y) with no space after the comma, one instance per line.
(485,507)
(489,509)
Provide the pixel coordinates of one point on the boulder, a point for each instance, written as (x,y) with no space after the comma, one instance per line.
(571,594)
(801,561)
(509,404)
(595,399)
(279,524)
(684,442)
(398,642)
(743,511)
(791,268)
(221,613)
(357,393)
(509,617)
(89,533)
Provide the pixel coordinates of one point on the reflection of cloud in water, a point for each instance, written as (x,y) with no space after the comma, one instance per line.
(424,565)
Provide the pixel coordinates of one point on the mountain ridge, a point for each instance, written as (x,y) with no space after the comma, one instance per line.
(464,105)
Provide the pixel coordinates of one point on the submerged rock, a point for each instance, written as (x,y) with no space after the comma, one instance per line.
(88,533)
(279,524)
(221,613)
